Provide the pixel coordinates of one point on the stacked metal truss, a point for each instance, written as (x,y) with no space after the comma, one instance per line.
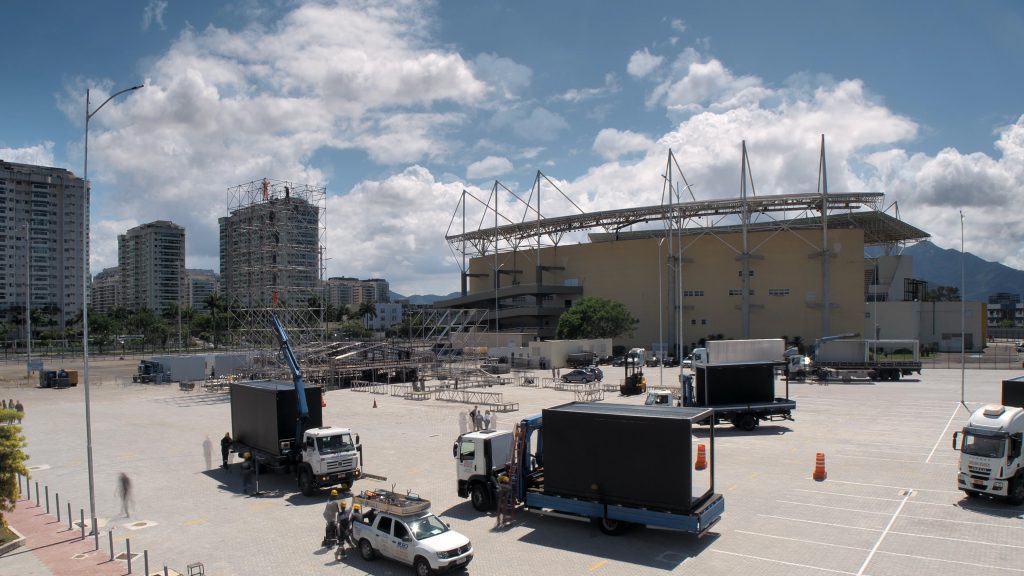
(272,259)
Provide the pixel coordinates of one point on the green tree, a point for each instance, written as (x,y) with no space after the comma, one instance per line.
(216,304)
(592,317)
(943,294)
(12,461)
(368,311)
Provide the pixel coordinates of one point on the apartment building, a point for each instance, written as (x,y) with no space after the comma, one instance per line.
(151,266)
(106,291)
(42,212)
(200,285)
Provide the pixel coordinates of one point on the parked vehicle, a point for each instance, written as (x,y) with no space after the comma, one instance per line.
(594,371)
(281,426)
(581,359)
(551,462)
(401,527)
(737,379)
(834,357)
(579,375)
(990,447)
(619,361)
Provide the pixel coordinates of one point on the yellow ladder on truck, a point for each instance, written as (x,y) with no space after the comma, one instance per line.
(507,491)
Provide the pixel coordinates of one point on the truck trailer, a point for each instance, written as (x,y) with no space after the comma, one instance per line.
(990,447)
(834,358)
(590,461)
(736,378)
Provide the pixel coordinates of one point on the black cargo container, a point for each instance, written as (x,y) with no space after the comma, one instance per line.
(1013,392)
(621,454)
(727,384)
(263,413)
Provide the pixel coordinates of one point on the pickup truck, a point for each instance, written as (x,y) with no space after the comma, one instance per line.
(402,528)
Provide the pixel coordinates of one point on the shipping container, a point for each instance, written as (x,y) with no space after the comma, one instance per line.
(745,351)
(735,384)
(264,412)
(1013,392)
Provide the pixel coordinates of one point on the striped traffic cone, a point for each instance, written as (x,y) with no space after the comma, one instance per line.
(819,467)
(702,459)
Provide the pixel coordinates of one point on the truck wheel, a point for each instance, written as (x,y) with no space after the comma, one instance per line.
(306,485)
(422,567)
(611,527)
(481,499)
(747,422)
(1016,493)
(366,550)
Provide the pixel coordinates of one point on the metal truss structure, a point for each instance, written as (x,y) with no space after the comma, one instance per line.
(272,260)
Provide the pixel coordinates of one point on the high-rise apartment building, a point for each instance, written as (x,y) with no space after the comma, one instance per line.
(151,266)
(346,291)
(42,213)
(106,289)
(269,253)
(200,285)
(376,290)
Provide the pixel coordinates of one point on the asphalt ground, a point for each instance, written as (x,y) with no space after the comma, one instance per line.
(889,505)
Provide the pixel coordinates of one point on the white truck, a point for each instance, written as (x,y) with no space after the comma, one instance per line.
(401,527)
(990,448)
(835,358)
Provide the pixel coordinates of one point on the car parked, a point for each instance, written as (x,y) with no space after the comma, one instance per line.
(579,375)
(688,361)
(595,372)
(619,360)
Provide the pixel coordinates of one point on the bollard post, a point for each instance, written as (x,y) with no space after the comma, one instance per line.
(28,490)
(145,561)
(70,528)
(110,533)
(37,494)
(19,484)
(128,552)
(96,534)
(47,488)
(56,497)
(165,569)
(81,518)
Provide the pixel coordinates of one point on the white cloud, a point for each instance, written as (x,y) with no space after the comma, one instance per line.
(678,25)
(642,63)
(610,144)
(154,13)
(576,95)
(503,74)
(39,154)
(489,167)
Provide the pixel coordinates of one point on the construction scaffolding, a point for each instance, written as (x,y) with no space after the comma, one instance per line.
(271,251)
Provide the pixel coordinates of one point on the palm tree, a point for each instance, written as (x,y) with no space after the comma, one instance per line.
(368,310)
(215,303)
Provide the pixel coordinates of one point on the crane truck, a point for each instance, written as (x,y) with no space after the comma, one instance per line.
(596,462)
(280,426)
(990,447)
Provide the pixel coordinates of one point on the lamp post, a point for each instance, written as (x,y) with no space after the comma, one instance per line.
(963,309)
(28,296)
(85,297)
(661,338)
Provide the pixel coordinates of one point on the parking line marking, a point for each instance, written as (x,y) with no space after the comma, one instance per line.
(888,486)
(597,565)
(892,459)
(782,562)
(849,495)
(943,435)
(960,540)
(833,524)
(884,532)
(832,507)
(800,540)
(990,525)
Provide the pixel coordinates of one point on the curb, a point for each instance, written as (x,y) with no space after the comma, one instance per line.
(13,544)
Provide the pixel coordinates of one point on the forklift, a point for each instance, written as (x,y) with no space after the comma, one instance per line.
(635,382)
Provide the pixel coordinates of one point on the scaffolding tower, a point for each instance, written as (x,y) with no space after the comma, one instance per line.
(271,253)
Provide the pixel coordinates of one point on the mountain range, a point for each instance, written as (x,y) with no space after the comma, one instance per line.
(937,266)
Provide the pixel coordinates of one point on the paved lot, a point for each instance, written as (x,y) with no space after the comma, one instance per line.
(889,506)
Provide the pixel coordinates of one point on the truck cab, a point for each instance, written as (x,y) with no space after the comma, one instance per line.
(480,458)
(330,455)
(402,528)
(659,398)
(990,453)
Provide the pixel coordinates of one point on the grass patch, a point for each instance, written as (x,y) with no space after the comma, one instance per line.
(6,535)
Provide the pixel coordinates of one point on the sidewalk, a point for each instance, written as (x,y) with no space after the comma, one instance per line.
(51,549)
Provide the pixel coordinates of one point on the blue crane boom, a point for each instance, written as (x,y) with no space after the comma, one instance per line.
(300,384)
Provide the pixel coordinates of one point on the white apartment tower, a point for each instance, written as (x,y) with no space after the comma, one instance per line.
(151,266)
(42,213)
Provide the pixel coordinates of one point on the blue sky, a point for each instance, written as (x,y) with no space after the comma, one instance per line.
(396,107)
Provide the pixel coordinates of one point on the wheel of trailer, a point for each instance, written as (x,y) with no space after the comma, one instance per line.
(421,566)
(747,422)
(611,527)
(366,550)
(306,485)
(1016,492)
(895,375)
(480,498)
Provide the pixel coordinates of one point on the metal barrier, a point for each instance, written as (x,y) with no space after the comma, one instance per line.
(371,387)
(589,395)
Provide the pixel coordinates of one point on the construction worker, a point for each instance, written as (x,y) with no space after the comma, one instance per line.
(357,516)
(331,517)
(344,528)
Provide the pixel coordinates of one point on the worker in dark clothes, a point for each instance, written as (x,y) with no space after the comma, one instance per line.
(225,447)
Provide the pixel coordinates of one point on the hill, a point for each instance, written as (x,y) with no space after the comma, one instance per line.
(941,267)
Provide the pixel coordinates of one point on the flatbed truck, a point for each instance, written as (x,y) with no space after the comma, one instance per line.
(736,379)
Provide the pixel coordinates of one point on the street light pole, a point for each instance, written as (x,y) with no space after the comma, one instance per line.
(85,298)
(661,338)
(28,295)
(963,309)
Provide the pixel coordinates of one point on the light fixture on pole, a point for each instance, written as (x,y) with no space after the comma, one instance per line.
(85,297)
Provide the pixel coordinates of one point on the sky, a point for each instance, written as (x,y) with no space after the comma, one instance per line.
(397,107)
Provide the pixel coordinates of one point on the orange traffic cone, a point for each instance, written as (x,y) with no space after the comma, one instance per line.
(702,459)
(819,467)
(374,402)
